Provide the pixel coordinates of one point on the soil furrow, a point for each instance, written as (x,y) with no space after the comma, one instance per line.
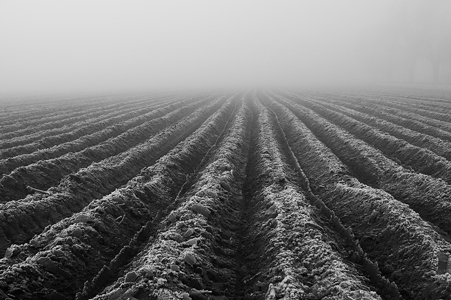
(98,232)
(344,237)
(182,258)
(436,145)
(431,111)
(33,111)
(51,137)
(419,159)
(20,220)
(195,148)
(405,122)
(428,196)
(275,194)
(48,172)
(408,250)
(288,252)
(84,141)
(435,119)
(60,120)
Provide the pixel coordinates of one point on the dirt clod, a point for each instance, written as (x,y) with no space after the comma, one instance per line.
(201,209)
(189,258)
(131,276)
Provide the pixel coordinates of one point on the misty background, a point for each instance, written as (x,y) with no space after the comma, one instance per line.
(83,46)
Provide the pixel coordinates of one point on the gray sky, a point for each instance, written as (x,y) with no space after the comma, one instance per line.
(67,46)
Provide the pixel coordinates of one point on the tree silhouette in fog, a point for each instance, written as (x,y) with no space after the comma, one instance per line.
(413,43)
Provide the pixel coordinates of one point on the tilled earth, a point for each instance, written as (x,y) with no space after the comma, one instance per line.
(250,195)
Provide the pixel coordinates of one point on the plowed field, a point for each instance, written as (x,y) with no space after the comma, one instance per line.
(249,195)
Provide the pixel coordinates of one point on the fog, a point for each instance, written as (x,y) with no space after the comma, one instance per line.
(84,46)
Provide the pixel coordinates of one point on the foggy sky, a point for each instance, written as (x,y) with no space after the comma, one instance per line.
(78,46)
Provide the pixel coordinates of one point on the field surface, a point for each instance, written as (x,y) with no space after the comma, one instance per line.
(250,195)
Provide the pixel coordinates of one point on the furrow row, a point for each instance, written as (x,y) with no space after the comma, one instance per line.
(72,115)
(436,145)
(21,114)
(408,249)
(54,146)
(410,98)
(426,195)
(344,237)
(51,137)
(178,258)
(20,220)
(24,112)
(40,170)
(426,105)
(104,230)
(396,118)
(162,268)
(438,119)
(418,158)
(392,105)
(289,251)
